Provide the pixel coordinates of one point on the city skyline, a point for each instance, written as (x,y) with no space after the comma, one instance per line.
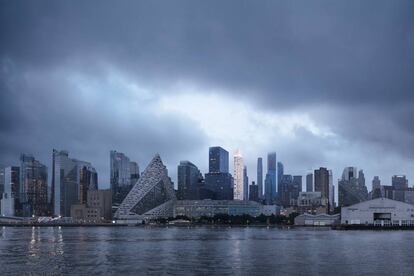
(229,167)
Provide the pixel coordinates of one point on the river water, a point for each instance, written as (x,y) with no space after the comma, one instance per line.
(204,250)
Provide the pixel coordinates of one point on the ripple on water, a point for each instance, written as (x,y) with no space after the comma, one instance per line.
(204,250)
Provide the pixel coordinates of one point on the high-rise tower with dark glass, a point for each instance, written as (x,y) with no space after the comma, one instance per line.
(271,177)
(33,186)
(189,181)
(218,160)
(71,180)
(123,175)
(218,181)
(309,182)
(259,178)
(280,173)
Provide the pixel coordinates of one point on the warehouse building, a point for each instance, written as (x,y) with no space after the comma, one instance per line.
(379,212)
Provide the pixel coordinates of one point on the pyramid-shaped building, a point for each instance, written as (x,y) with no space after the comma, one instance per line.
(152,196)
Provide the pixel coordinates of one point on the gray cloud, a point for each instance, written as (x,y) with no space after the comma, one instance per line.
(348,64)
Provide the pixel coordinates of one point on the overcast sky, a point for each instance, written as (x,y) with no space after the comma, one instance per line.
(322,83)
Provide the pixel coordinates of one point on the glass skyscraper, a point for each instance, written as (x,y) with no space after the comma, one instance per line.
(218,181)
(245,184)
(1,179)
(218,160)
(280,172)
(124,174)
(309,182)
(259,178)
(134,171)
(271,177)
(88,180)
(71,180)
(33,186)
(189,179)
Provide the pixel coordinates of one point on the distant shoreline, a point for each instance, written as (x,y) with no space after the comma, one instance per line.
(146,225)
(195,225)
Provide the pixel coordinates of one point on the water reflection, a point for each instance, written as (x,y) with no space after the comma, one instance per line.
(33,249)
(203,250)
(56,235)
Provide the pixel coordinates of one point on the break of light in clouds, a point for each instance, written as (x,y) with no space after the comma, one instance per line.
(321,83)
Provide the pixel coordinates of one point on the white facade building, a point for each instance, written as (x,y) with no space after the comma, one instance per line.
(379,212)
(238,176)
(7,202)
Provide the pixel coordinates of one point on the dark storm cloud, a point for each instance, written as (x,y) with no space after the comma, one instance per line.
(351,59)
(46,110)
(290,52)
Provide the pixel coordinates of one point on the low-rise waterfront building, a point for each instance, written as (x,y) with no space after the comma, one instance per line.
(210,208)
(379,212)
(317,220)
(83,213)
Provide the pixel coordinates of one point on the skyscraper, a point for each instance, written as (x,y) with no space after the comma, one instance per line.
(10,200)
(245,184)
(218,181)
(291,186)
(259,178)
(332,192)
(309,182)
(297,182)
(88,180)
(238,176)
(376,183)
(322,182)
(280,173)
(377,190)
(399,187)
(218,160)
(351,187)
(71,180)
(287,190)
(134,172)
(33,186)
(253,192)
(349,172)
(270,190)
(1,179)
(189,179)
(124,174)
(399,182)
(361,178)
